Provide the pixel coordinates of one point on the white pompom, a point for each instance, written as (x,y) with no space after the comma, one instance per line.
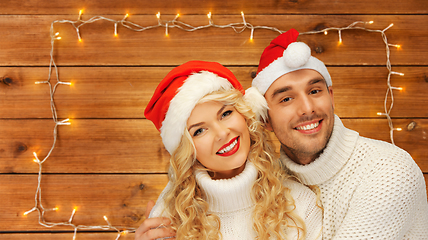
(297,54)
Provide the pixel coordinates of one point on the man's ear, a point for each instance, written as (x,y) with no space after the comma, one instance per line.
(267,124)
(330,91)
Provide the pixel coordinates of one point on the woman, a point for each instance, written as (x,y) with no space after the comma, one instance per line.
(224,182)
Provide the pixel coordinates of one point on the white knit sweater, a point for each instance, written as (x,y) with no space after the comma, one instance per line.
(231,201)
(370,189)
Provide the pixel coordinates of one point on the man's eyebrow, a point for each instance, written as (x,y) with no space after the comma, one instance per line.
(280,90)
(316,80)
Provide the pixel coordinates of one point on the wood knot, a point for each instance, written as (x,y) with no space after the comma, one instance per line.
(7,80)
(426,78)
(411,126)
(141,186)
(320,27)
(319,49)
(22,147)
(253,74)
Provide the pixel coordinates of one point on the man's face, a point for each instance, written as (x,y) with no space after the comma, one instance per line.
(301,114)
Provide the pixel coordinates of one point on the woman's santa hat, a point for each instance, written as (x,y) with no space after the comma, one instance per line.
(179,92)
(285,55)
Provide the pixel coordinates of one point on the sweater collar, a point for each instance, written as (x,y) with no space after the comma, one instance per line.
(227,195)
(337,152)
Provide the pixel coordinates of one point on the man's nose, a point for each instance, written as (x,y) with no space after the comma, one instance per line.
(306,105)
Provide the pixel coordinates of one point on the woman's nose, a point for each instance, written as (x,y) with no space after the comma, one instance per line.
(222,131)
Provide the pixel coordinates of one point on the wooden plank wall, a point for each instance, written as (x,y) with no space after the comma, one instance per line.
(110,160)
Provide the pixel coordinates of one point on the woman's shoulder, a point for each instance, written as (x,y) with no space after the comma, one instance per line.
(158,209)
(297,189)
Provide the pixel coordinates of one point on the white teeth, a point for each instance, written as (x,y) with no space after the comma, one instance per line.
(228,148)
(309,126)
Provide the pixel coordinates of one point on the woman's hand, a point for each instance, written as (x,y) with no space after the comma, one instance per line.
(154,228)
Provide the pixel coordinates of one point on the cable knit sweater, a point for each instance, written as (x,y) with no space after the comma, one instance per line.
(370,189)
(230,200)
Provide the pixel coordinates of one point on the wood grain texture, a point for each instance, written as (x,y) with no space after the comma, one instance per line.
(134,146)
(122,198)
(123,92)
(28,41)
(111,160)
(216,6)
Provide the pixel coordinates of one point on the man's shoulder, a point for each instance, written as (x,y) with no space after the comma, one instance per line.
(386,158)
(374,146)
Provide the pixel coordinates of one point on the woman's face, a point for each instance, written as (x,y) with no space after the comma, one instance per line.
(221,138)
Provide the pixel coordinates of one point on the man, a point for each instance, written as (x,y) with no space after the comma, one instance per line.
(369,189)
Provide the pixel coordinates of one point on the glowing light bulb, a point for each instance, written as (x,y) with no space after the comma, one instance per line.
(209,15)
(105,218)
(371,22)
(325,32)
(158,15)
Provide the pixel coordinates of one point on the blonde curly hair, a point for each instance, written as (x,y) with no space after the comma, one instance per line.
(185,204)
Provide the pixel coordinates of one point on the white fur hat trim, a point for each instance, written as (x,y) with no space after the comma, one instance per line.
(295,57)
(257,102)
(194,88)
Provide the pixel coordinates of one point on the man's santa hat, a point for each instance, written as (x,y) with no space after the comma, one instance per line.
(285,55)
(179,92)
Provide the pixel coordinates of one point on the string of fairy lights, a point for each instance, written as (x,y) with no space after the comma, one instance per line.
(175,23)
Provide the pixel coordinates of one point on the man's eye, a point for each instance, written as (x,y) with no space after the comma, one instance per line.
(315,91)
(286,99)
(198,132)
(226,113)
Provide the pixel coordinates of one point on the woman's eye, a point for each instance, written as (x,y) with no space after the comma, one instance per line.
(198,132)
(226,113)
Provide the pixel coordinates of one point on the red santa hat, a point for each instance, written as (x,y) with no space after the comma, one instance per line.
(179,92)
(285,55)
